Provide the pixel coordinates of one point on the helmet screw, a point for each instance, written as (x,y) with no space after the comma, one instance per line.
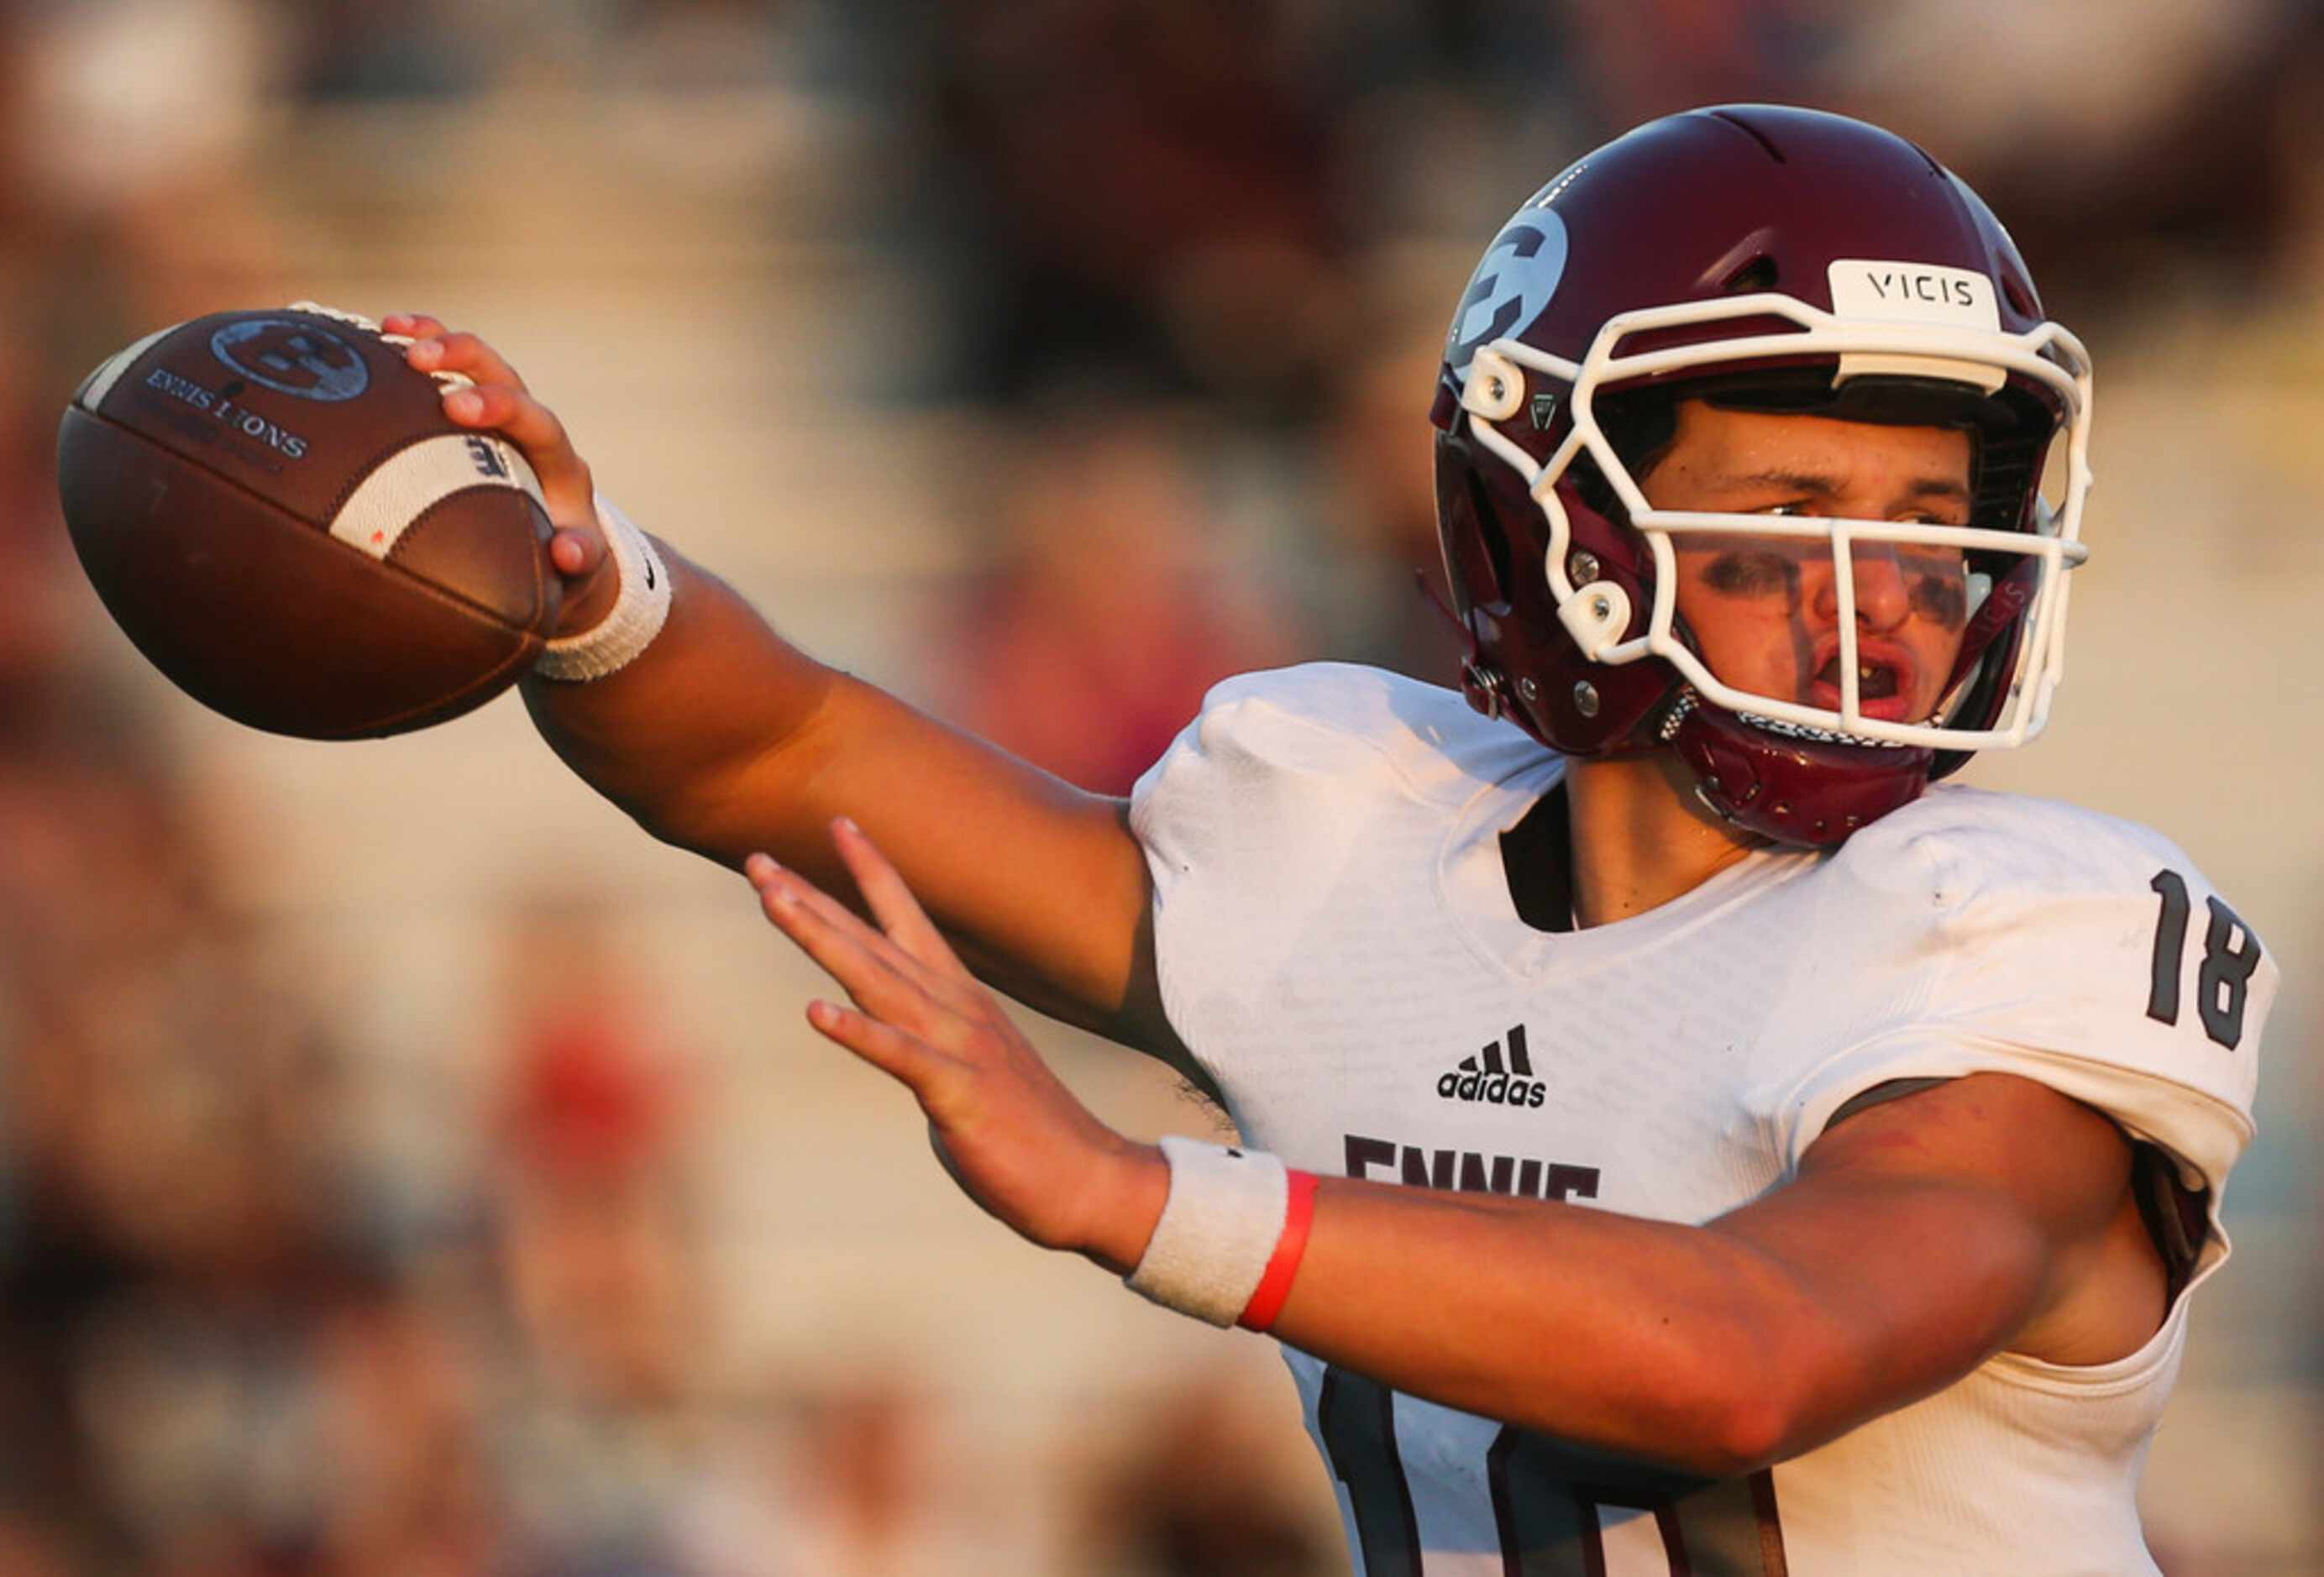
(1484,684)
(1582,568)
(1585,697)
(1527,691)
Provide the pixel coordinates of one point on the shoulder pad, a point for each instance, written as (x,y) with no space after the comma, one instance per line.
(2073,948)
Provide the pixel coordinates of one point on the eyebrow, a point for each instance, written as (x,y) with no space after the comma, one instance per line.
(1823,485)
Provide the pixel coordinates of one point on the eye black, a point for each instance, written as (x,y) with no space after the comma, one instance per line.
(1942,599)
(1750,574)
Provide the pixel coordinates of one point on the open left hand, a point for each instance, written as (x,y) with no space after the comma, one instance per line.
(1014,1138)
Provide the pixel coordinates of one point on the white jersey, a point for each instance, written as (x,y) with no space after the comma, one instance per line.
(1339,949)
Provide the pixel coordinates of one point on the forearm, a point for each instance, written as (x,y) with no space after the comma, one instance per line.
(723,738)
(1713,1348)
(716,690)
(1635,1336)
(1640,1337)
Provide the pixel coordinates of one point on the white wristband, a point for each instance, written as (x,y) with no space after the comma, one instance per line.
(1218,1231)
(635,618)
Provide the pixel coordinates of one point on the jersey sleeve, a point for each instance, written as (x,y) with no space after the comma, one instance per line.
(2072,949)
(1252,822)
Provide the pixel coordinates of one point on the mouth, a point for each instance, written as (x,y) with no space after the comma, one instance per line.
(1884,681)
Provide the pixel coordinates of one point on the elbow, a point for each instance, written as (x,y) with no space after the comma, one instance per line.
(1747,1433)
(1752,1400)
(1774,1371)
(1729,1435)
(1715,1397)
(680,826)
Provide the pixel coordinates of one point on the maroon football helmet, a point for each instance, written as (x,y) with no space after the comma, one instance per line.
(1773,259)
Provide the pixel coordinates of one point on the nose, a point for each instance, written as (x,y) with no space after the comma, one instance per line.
(1882,600)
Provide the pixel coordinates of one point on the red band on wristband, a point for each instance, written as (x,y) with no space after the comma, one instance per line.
(1275,1282)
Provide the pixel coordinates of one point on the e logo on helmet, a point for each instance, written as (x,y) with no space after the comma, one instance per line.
(1511,287)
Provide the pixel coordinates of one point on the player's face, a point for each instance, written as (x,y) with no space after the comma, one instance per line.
(1765,610)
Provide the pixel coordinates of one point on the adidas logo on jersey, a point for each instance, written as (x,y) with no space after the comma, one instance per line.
(1483,1077)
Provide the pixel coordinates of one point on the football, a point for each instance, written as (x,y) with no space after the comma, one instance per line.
(276,511)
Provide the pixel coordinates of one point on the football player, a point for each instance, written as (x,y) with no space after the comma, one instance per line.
(1675,1136)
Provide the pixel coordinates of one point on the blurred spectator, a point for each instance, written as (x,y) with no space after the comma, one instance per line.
(862,1494)
(35,637)
(1142,189)
(1190,1490)
(181,1227)
(1093,642)
(133,123)
(1380,568)
(596,1243)
(403,1444)
(694,46)
(2179,154)
(1648,58)
(594,1214)
(401,50)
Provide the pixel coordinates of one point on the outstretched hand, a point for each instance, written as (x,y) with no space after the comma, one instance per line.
(1012,1136)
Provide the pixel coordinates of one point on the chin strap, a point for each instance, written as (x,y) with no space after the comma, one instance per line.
(1480,682)
(2002,607)
(1797,791)
(1429,594)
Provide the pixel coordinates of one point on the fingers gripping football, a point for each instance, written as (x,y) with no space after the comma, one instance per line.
(496,399)
(436,349)
(1013,1137)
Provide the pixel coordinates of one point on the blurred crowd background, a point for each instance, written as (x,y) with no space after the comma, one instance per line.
(406,1168)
